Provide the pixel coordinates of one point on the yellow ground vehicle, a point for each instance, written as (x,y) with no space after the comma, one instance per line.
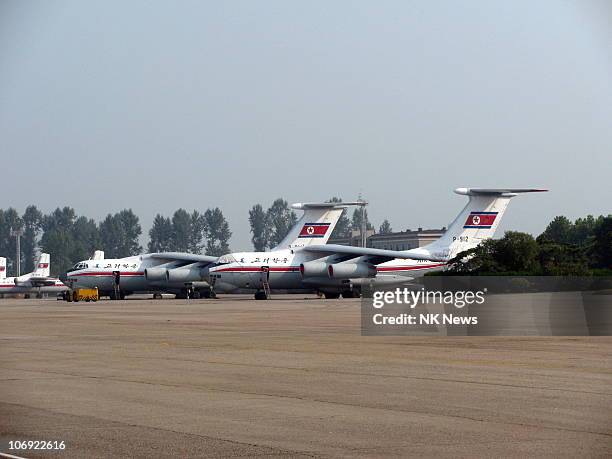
(83,294)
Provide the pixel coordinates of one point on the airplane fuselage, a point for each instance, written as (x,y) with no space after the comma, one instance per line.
(23,285)
(282,269)
(132,278)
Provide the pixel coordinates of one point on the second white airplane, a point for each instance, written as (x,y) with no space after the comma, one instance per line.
(37,282)
(303,260)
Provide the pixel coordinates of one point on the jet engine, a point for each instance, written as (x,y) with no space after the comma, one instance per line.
(185,275)
(349,270)
(314,269)
(156,274)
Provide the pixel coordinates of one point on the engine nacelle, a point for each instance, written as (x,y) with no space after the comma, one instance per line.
(349,270)
(314,269)
(156,274)
(185,275)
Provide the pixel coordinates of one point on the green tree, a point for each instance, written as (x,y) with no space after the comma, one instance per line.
(181,231)
(218,233)
(259,228)
(343,227)
(385,228)
(58,239)
(9,220)
(197,233)
(119,234)
(160,235)
(559,230)
(601,251)
(32,223)
(583,230)
(516,253)
(280,219)
(86,237)
(562,260)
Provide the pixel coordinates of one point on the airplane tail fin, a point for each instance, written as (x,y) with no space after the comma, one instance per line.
(98,255)
(2,268)
(43,266)
(475,223)
(316,225)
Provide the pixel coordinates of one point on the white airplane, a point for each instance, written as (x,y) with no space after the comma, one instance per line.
(303,260)
(38,282)
(169,272)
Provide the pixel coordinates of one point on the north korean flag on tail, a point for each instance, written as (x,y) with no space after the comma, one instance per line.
(480,220)
(43,265)
(314,229)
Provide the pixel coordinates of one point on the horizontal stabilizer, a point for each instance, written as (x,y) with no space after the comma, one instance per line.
(497,191)
(327,205)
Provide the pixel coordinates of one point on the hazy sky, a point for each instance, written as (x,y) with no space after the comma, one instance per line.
(160,105)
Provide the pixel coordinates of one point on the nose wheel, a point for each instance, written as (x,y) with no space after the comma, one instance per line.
(261,295)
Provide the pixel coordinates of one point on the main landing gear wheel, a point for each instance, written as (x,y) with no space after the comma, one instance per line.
(332,296)
(351,294)
(157,296)
(261,295)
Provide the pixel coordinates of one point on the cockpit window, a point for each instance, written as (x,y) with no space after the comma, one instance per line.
(225,259)
(80,265)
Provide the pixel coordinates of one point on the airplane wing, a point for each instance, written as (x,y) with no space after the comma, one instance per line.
(377,255)
(41,281)
(179,256)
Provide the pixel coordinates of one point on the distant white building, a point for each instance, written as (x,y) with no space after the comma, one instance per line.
(402,240)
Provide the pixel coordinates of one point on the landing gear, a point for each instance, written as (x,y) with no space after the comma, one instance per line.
(331,296)
(209,294)
(117,295)
(157,296)
(187,294)
(261,295)
(26,296)
(351,294)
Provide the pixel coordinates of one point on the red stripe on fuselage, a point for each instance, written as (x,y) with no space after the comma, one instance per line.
(257,269)
(104,273)
(407,268)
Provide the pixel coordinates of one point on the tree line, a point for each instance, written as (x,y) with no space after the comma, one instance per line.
(565,248)
(71,238)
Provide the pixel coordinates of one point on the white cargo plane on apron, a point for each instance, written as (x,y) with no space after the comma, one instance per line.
(168,272)
(303,260)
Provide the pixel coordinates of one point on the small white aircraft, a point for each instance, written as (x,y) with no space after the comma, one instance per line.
(37,282)
(169,272)
(303,260)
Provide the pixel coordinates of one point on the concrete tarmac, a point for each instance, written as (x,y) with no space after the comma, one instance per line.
(290,377)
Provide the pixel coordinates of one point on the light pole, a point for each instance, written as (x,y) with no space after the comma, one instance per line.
(363,205)
(17,233)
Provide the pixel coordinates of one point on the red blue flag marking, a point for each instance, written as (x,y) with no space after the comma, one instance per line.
(314,229)
(480,220)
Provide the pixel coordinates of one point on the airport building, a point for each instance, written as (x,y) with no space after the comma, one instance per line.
(402,240)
